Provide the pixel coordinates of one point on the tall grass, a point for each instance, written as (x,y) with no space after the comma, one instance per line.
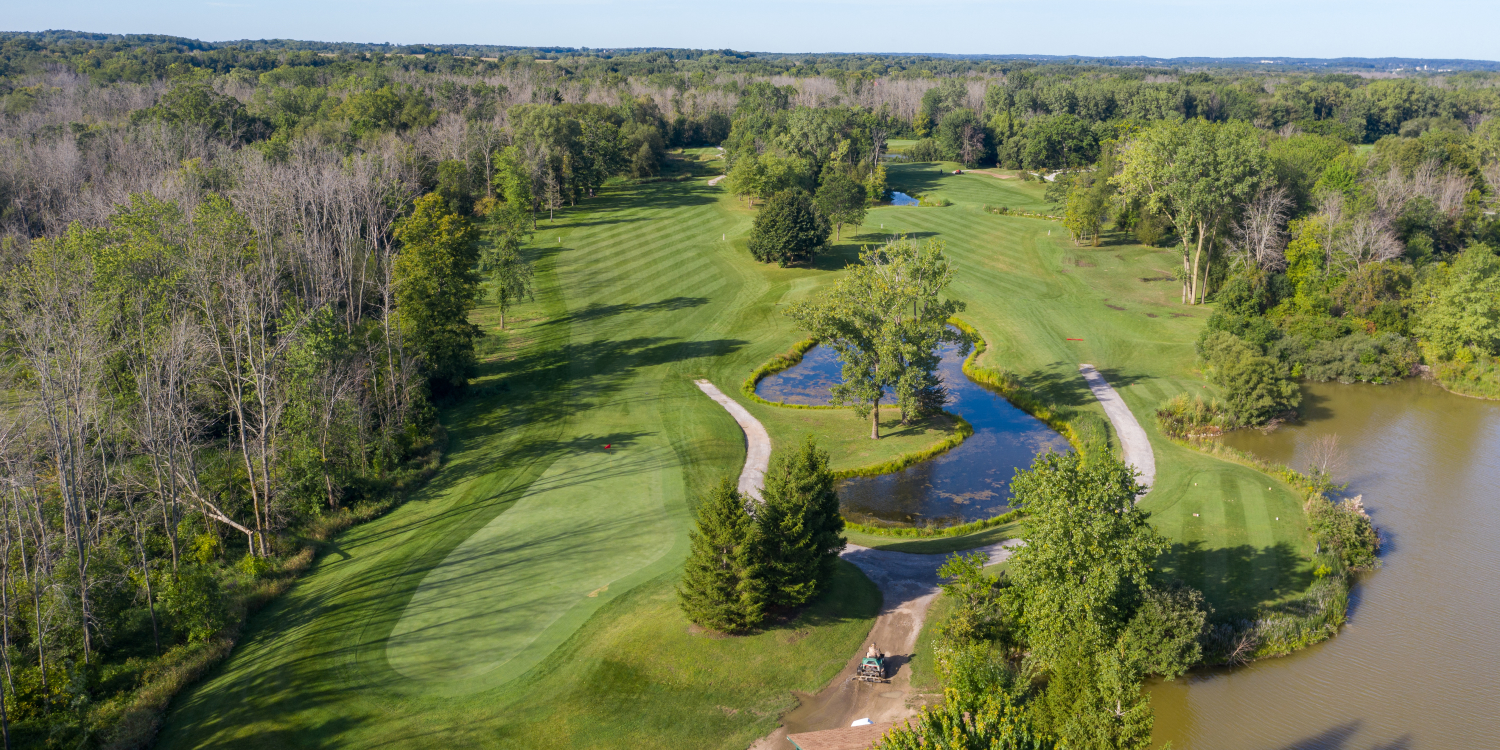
(1479,379)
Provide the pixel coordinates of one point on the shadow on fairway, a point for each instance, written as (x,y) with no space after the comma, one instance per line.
(1253,578)
(596,311)
(837,256)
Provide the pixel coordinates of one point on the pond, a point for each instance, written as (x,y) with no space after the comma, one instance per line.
(899,198)
(968,483)
(1418,665)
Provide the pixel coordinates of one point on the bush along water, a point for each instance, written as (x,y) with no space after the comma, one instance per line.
(1347,542)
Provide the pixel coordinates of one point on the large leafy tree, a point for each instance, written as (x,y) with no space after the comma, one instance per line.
(789,230)
(1088,551)
(1256,387)
(722,588)
(842,200)
(436,287)
(510,274)
(1460,309)
(1195,173)
(1078,584)
(886,318)
(800,528)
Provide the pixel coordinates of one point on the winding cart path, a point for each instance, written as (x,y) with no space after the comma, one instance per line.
(908,583)
(1133,441)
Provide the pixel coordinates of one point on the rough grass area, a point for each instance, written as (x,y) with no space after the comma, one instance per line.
(524,597)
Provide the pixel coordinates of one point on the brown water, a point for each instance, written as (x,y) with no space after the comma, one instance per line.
(1418,665)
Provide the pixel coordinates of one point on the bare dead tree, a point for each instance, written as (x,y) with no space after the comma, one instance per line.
(1366,239)
(53,317)
(1326,457)
(1258,238)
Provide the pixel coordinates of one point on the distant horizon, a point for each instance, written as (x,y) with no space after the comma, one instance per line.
(1154,29)
(1292,60)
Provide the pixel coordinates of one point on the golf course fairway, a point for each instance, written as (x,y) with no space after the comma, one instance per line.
(525,597)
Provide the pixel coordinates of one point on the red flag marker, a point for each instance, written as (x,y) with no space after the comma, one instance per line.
(1075,339)
(606,446)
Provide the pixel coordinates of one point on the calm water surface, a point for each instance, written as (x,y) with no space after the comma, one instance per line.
(965,484)
(1418,666)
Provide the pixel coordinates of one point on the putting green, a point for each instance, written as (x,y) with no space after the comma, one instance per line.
(478,619)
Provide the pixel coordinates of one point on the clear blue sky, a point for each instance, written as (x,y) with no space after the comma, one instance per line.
(1159,28)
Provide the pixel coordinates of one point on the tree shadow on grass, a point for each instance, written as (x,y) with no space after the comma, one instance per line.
(596,311)
(1252,581)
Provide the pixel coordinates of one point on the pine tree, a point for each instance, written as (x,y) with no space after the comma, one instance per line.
(799,526)
(721,585)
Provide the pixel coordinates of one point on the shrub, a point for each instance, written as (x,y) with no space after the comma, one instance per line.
(195,602)
(1187,416)
(1344,529)
(1356,357)
(933,201)
(926,149)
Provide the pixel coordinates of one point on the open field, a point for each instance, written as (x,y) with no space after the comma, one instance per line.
(525,598)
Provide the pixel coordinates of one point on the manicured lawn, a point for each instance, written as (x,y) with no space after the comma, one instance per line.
(1029,290)
(524,598)
(460,613)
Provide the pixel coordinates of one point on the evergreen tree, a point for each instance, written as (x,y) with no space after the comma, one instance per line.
(721,586)
(800,527)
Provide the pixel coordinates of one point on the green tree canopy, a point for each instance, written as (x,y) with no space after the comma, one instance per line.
(789,230)
(1088,550)
(799,525)
(886,319)
(436,287)
(842,200)
(1195,173)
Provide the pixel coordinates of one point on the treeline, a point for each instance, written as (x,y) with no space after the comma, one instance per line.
(1327,261)
(237,280)
(230,303)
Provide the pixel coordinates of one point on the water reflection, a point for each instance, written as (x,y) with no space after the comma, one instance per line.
(968,483)
(899,198)
(1416,666)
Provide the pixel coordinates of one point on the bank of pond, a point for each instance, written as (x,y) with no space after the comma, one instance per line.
(1415,665)
(968,483)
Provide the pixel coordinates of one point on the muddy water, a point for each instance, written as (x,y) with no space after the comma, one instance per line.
(1418,666)
(968,483)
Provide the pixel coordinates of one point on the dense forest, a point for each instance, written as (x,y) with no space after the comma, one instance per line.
(237,277)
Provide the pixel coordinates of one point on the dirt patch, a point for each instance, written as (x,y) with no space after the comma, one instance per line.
(1151,315)
(1114,307)
(908,583)
(696,629)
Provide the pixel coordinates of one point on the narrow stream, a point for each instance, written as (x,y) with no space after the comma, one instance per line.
(1418,665)
(968,483)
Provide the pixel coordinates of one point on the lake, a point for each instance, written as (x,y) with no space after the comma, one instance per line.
(1418,665)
